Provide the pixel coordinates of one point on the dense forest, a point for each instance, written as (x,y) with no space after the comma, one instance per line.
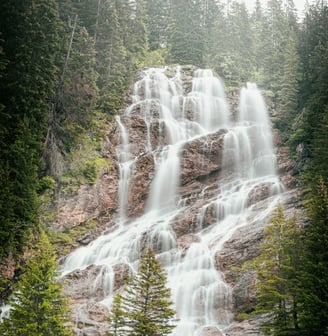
(65,67)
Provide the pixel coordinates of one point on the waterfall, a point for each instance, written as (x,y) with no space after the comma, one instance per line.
(201,296)
(4,312)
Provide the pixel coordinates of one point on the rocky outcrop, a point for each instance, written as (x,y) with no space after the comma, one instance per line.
(87,203)
(90,319)
(85,285)
(249,327)
(201,167)
(202,158)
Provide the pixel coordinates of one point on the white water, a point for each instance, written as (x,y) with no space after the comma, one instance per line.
(4,312)
(201,297)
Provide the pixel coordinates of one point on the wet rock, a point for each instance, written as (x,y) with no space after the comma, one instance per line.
(90,319)
(250,327)
(143,171)
(242,246)
(85,238)
(290,181)
(86,284)
(185,224)
(122,273)
(185,241)
(90,332)
(201,168)
(97,312)
(211,331)
(259,193)
(201,157)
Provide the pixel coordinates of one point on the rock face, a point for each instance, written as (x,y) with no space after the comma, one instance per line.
(202,166)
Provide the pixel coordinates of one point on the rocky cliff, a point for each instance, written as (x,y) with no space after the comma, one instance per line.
(203,167)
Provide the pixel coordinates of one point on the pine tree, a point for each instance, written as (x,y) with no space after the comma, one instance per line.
(112,57)
(239,44)
(277,270)
(314,288)
(157,23)
(117,320)
(29,42)
(276,29)
(144,307)
(313,94)
(187,32)
(287,93)
(38,305)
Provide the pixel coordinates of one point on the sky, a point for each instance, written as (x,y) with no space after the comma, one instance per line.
(299,4)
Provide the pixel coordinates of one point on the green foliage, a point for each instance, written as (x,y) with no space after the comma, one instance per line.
(65,241)
(157,23)
(313,96)
(46,182)
(85,168)
(38,304)
(277,270)
(242,317)
(29,38)
(314,282)
(155,58)
(144,307)
(187,33)
(288,90)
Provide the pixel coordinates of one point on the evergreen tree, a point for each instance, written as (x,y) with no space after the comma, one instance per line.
(187,33)
(38,305)
(157,23)
(314,86)
(288,90)
(276,30)
(143,308)
(29,45)
(136,41)
(314,286)
(239,44)
(117,321)
(261,41)
(277,271)
(112,57)
(79,88)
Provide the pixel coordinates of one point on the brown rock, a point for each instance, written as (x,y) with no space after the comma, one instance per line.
(202,157)
(185,241)
(259,193)
(201,175)
(97,312)
(250,327)
(143,172)
(90,319)
(88,202)
(83,285)
(211,331)
(122,273)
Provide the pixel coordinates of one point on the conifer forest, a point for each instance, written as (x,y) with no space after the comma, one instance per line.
(163,168)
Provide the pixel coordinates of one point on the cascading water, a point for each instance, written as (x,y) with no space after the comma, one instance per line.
(202,298)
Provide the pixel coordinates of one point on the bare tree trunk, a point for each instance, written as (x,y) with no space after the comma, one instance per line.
(69,47)
(97,22)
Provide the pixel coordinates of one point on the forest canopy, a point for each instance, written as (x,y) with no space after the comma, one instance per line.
(65,65)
